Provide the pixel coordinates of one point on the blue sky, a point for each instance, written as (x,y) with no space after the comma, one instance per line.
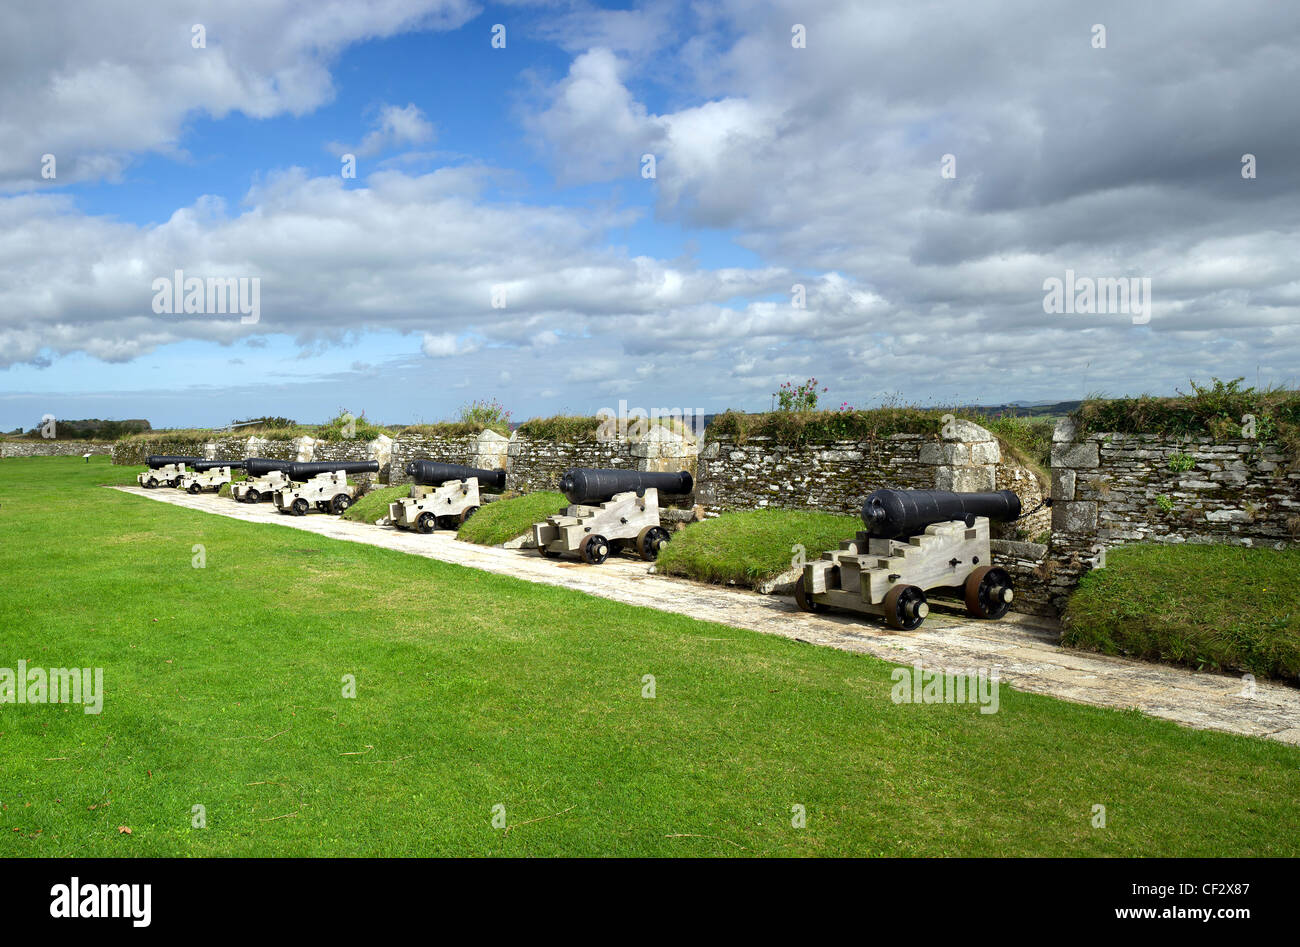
(776,164)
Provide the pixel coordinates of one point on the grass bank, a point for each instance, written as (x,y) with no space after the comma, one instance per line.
(750,548)
(1224,608)
(505,519)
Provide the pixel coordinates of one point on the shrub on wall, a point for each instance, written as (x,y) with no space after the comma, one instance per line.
(797,428)
(1221,409)
(563,428)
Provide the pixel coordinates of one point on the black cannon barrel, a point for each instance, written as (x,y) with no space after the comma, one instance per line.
(305,471)
(432,473)
(587,485)
(162,460)
(261,466)
(890,514)
(201,465)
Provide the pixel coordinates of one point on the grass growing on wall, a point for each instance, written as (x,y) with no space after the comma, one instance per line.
(1226,608)
(749,548)
(505,519)
(562,428)
(805,427)
(223,687)
(1218,410)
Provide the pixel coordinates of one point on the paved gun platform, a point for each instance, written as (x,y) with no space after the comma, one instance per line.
(1023,649)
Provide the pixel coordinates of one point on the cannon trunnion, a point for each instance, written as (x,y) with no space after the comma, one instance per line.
(611,510)
(915,541)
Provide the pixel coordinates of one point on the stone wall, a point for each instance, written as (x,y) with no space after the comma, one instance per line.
(835,476)
(1111,489)
(53,448)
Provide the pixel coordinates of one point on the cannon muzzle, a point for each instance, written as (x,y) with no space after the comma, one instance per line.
(891,514)
(261,466)
(585,485)
(300,472)
(202,465)
(432,473)
(163,460)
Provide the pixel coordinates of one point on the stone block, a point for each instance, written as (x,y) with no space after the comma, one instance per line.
(1062,485)
(986,452)
(1082,456)
(1075,517)
(1065,432)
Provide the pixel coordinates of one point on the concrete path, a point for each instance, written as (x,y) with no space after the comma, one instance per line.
(1022,648)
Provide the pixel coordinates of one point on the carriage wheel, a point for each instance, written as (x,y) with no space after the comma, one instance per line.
(803,598)
(426,522)
(649,541)
(988,592)
(300,507)
(905,607)
(340,502)
(594,549)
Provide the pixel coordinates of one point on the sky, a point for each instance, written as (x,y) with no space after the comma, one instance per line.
(678,205)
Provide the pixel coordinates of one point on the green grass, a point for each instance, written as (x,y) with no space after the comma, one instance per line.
(503,520)
(1224,608)
(374,504)
(750,548)
(223,689)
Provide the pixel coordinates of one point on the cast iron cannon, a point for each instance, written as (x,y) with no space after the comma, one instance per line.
(915,541)
(589,485)
(889,514)
(323,484)
(165,469)
(265,477)
(433,473)
(300,472)
(209,475)
(627,514)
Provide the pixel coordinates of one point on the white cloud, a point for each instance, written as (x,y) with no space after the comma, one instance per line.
(395,127)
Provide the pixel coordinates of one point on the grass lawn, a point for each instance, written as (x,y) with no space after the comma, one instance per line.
(223,688)
(1220,607)
(503,520)
(750,548)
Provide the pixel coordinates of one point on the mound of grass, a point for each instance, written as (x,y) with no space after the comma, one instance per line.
(374,503)
(753,547)
(504,519)
(235,477)
(1225,608)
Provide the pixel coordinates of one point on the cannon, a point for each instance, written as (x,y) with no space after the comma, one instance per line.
(443,495)
(323,485)
(265,477)
(434,473)
(209,475)
(165,469)
(915,541)
(584,485)
(611,510)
